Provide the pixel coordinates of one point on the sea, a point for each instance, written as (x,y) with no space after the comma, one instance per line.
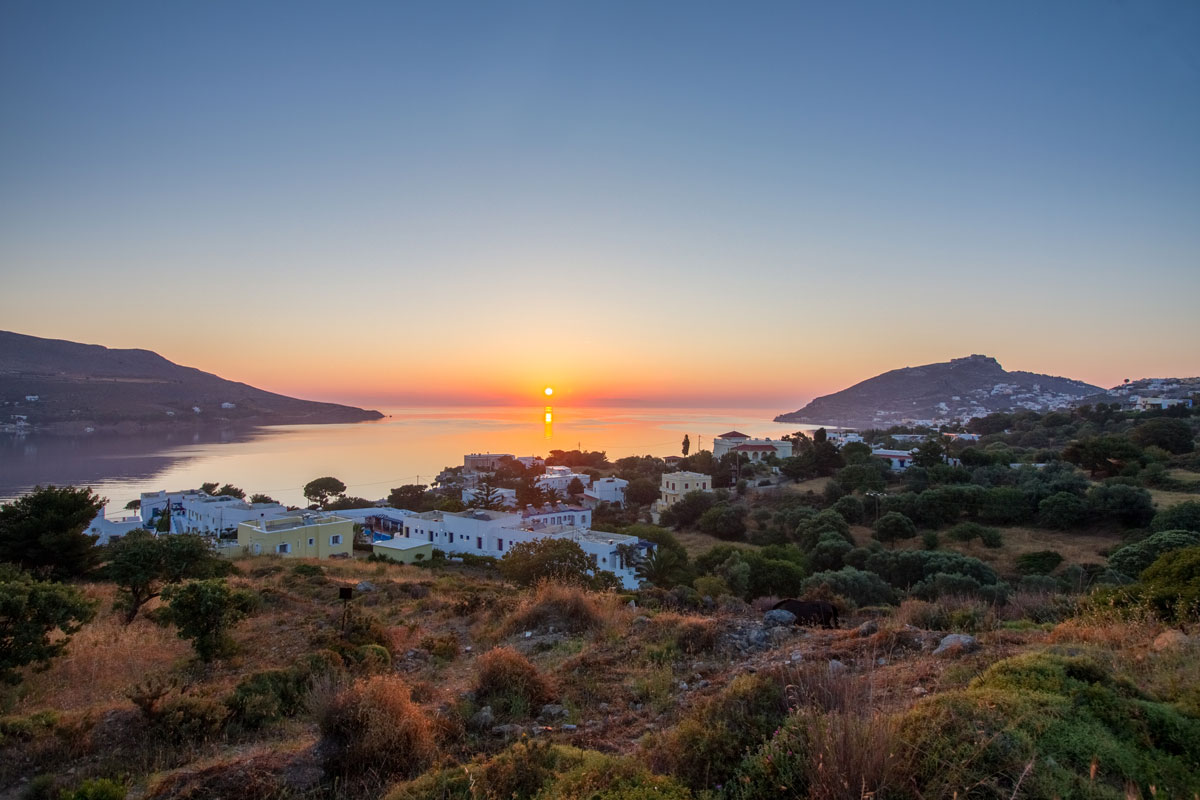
(409,445)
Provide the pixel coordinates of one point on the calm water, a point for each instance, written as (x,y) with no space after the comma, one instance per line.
(409,446)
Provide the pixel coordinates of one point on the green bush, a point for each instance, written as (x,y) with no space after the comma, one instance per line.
(1131,506)
(1181,517)
(96,789)
(189,719)
(850,508)
(1062,511)
(892,526)
(862,588)
(1172,584)
(1133,558)
(267,696)
(707,745)
(1041,562)
(1044,722)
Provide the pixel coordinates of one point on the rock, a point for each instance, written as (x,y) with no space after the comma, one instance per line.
(757,638)
(702,685)
(956,643)
(920,691)
(1170,640)
(881,661)
(779,635)
(467,649)
(552,711)
(507,730)
(868,628)
(570,727)
(836,667)
(602,707)
(528,634)
(483,719)
(683,687)
(365,586)
(778,616)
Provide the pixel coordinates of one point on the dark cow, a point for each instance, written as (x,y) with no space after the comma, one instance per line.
(810,612)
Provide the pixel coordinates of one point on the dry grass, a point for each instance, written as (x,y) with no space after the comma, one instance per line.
(1165,499)
(696,542)
(102,660)
(565,608)
(506,679)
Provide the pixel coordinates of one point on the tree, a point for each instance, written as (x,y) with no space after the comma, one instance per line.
(529,493)
(558,559)
(320,490)
(43,531)
(856,453)
(641,492)
(486,496)
(141,563)
(29,611)
(410,496)
(1102,456)
(229,490)
(725,521)
(687,445)
(662,567)
(688,509)
(893,526)
(1062,510)
(209,488)
(262,498)
(1182,517)
(552,496)
(133,505)
(1173,435)
(931,453)
(1131,559)
(575,487)
(204,611)
(347,502)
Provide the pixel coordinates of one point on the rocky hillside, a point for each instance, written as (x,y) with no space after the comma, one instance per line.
(69,387)
(953,391)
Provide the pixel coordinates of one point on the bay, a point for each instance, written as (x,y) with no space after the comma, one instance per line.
(410,445)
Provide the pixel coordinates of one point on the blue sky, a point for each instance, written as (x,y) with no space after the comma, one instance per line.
(816,192)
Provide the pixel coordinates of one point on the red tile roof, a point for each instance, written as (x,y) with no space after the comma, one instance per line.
(733,435)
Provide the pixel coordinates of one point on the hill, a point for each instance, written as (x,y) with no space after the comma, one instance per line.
(935,394)
(80,386)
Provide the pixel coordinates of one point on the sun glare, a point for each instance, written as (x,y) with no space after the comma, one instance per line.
(549,391)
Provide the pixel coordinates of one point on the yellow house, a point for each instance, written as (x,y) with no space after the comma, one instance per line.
(307,535)
(406,551)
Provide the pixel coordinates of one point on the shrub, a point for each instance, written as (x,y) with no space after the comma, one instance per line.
(30,611)
(694,636)
(521,771)
(990,537)
(96,789)
(372,731)
(1181,517)
(892,526)
(568,607)
(1129,505)
(966,531)
(189,719)
(850,508)
(1061,511)
(725,521)
(599,776)
(1172,584)
(929,540)
(205,611)
(508,682)
(1041,562)
(1133,558)
(266,696)
(444,646)
(561,560)
(1086,733)
(705,748)
(710,586)
(904,568)
(862,588)
(1005,505)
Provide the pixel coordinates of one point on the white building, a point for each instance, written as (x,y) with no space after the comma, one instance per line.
(897,460)
(843,436)
(111,529)
(756,449)
(1159,403)
(559,479)
(197,512)
(506,497)
(606,490)
(493,533)
(531,461)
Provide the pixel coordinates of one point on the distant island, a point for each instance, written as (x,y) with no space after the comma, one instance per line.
(56,386)
(939,394)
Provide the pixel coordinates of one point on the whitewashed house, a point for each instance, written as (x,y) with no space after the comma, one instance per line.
(606,490)
(755,449)
(559,479)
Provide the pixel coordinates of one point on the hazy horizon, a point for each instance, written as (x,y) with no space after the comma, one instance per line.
(659,204)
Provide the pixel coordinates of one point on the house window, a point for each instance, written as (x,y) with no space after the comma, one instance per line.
(478,542)
(499,544)
(451,537)
(312,542)
(685,487)
(283,548)
(335,539)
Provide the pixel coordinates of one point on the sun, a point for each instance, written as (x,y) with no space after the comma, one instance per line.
(549,390)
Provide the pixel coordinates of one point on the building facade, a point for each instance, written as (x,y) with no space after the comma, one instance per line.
(756,449)
(305,535)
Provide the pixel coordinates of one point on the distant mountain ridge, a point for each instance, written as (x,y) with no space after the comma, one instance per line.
(80,386)
(937,394)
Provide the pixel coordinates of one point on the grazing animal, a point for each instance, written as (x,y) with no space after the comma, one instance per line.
(811,612)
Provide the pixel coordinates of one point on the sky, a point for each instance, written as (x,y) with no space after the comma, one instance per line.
(693,203)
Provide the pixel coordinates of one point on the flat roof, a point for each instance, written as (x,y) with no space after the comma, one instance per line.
(400,543)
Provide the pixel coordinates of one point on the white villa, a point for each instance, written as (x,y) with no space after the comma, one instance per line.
(1159,403)
(606,490)
(112,529)
(559,478)
(197,512)
(756,449)
(493,533)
